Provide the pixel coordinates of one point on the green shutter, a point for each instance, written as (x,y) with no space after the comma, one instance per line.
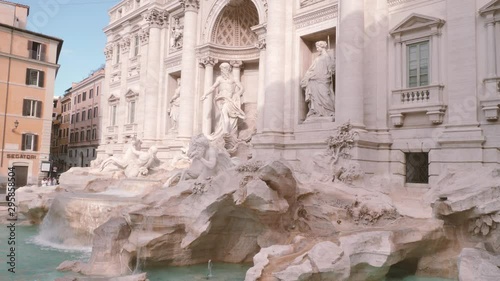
(43,50)
(41,79)
(38,109)
(28,71)
(26,107)
(23,141)
(35,142)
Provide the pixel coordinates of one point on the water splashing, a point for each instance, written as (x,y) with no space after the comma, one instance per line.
(209,275)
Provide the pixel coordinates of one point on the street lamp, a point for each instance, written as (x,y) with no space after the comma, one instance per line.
(16,124)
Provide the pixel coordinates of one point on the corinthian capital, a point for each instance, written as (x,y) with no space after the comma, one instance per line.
(108,52)
(205,61)
(156,18)
(193,5)
(236,63)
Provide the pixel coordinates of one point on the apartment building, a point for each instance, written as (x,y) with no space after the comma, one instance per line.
(84,122)
(28,68)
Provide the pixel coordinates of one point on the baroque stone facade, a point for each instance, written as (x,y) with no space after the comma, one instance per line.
(406,76)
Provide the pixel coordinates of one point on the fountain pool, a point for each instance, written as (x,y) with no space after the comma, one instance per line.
(37,260)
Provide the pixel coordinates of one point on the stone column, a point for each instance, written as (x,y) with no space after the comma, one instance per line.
(275,67)
(157,20)
(350,68)
(261,90)
(237,66)
(208,63)
(490,31)
(188,69)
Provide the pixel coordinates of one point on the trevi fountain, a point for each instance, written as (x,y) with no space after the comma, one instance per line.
(286,140)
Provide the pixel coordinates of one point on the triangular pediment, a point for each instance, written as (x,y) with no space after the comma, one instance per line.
(416,21)
(131,94)
(491,7)
(113,97)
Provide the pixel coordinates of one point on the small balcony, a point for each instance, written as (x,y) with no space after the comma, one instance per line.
(427,99)
(130,127)
(112,129)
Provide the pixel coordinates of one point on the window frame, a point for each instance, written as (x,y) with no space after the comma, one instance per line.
(33,142)
(38,81)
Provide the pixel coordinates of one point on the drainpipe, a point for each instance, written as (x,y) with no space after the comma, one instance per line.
(7,94)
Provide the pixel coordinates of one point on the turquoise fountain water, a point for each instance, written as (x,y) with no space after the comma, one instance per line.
(37,260)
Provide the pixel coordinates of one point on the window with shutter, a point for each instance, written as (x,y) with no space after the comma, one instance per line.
(29,142)
(35,77)
(32,108)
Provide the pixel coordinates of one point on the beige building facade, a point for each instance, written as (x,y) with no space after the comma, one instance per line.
(28,68)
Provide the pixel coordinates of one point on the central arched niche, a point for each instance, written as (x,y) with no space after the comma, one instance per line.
(232,27)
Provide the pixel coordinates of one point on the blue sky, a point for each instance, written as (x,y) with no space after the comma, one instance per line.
(79,23)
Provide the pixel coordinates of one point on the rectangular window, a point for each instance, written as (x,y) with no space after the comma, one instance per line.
(79,98)
(94,133)
(131,112)
(97,91)
(417,167)
(70,153)
(88,134)
(83,115)
(72,118)
(96,111)
(89,114)
(112,116)
(93,153)
(136,45)
(418,64)
(91,93)
(71,137)
(77,117)
(29,142)
(36,50)
(32,108)
(84,96)
(60,133)
(35,77)
(82,135)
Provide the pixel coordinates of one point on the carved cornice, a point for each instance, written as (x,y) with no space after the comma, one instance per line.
(392,3)
(190,5)
(316,16)
(223,53)
(156,18)
(173,61)
(208,61)
(108,52)
(144,35)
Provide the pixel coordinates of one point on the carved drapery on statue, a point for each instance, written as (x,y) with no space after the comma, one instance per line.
(317,83)
(177,34)
(228,101)
(173,111)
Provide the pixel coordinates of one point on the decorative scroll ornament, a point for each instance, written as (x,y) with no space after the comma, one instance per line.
(157,18)
(261,45)
(190,4)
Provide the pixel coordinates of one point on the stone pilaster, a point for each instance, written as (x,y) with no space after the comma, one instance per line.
(208,63)
(350,63)
(275,68)
(188,69)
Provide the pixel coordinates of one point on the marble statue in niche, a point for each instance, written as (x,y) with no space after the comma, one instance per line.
(177,34)
(317,83)
(228,101)
(173,111)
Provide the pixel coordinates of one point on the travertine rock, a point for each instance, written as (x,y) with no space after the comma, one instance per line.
(478,264)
